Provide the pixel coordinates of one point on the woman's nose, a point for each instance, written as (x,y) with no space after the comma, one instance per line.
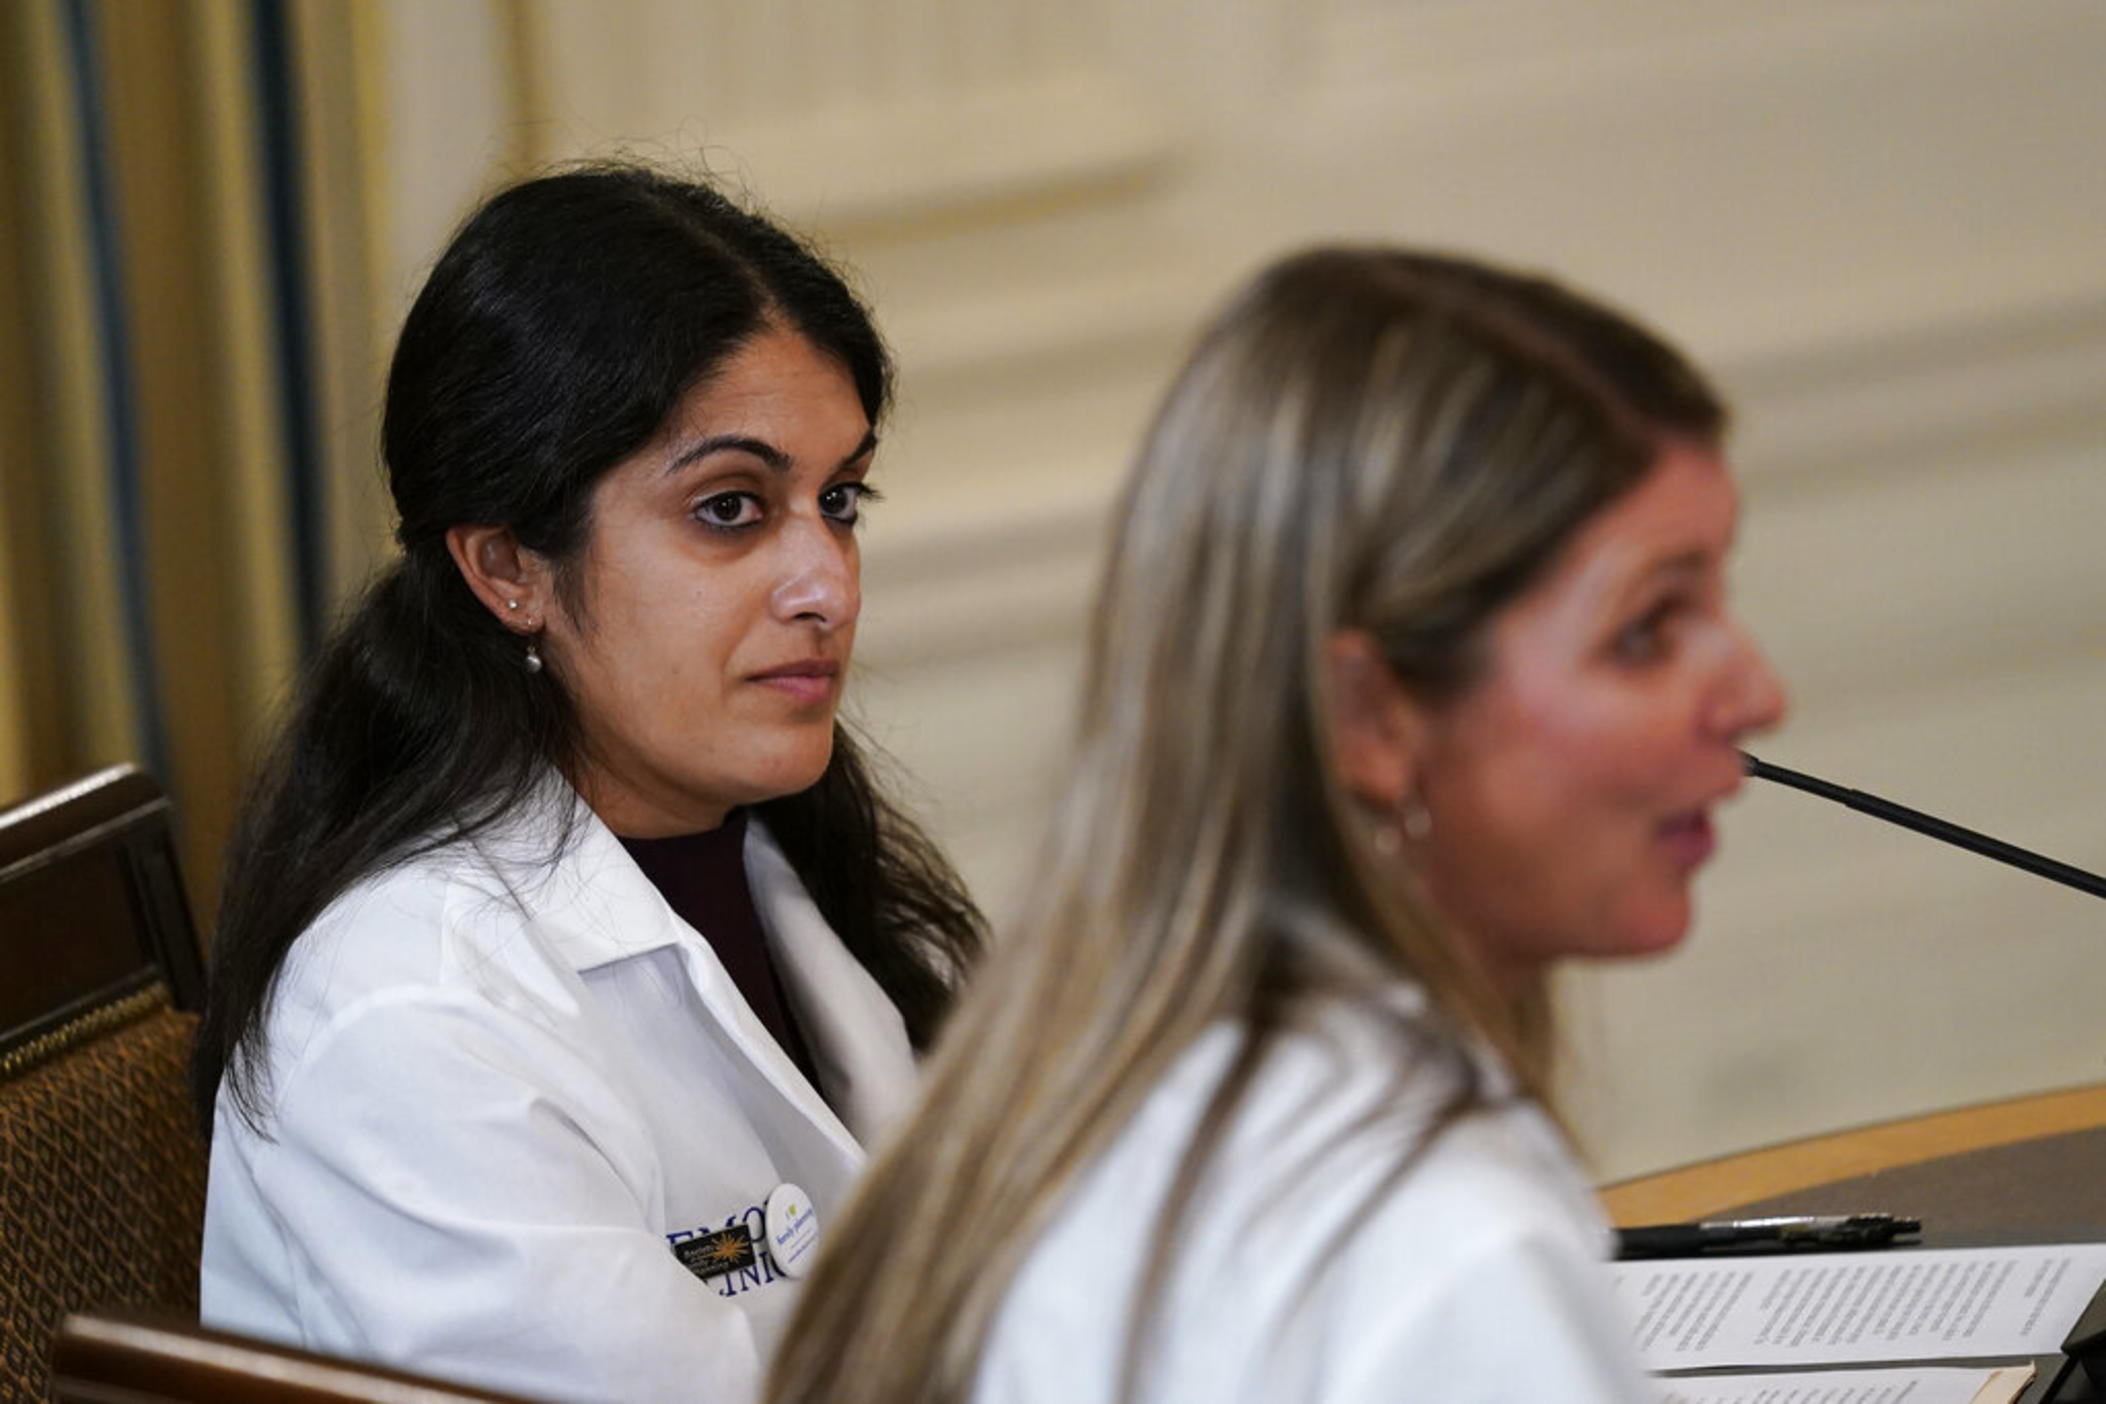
(1751,699)
(821,579)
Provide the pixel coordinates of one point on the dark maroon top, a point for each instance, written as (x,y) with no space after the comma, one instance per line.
(703,878)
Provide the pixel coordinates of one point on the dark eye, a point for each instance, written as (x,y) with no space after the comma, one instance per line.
(843,502)
(1645,639)
(729,509)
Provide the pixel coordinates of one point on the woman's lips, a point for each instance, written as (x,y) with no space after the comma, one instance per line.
(1689,838)
(807,682)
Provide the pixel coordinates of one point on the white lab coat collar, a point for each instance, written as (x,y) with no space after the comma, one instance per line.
(597,906)
(855,1032)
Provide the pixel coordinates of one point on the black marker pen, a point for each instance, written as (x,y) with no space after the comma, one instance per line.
(1764,1235)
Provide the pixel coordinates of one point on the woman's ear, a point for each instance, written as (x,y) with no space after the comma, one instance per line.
(1378,732)
(511,581)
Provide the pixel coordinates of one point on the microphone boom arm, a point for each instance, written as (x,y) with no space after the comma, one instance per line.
(1930,825)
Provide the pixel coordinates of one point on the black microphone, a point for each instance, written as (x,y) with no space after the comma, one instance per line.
(1935,827)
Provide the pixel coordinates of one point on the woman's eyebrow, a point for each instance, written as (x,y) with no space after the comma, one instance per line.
(1680,565)
(1691,562)
(744,443)
(862,450)
(766,452)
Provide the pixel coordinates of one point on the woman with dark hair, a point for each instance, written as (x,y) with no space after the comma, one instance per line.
(568,952)
(1413,674)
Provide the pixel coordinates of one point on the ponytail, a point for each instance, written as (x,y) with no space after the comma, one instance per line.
(417,725)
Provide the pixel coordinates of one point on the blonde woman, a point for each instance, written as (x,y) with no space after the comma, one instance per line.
(1412,674)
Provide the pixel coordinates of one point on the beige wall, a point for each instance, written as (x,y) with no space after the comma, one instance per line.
(1878,222)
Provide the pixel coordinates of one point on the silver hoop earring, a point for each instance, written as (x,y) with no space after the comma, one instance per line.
(533,656)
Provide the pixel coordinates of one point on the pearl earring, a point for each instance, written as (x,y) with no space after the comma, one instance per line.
(533,656)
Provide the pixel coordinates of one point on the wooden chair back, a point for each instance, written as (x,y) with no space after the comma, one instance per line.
(91,905)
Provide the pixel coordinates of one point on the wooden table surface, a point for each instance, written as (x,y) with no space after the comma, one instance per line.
(2027,1170)
(1711,1186)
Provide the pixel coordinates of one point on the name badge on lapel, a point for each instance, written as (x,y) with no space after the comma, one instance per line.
(710,1255)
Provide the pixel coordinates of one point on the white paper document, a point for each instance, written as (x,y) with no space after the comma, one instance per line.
(1932,1385)
(1857,1308)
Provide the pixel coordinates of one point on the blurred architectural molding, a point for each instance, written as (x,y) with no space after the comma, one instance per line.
(1833,435)
(851,115)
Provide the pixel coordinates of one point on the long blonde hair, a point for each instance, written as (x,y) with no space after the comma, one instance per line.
(1365,438)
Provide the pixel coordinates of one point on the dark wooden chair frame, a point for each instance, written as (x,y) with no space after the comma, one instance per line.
(122,813)
(141,1358)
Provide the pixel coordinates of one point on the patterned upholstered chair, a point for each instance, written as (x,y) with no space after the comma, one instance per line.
(102,1172)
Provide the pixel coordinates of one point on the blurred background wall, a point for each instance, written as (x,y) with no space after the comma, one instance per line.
(1882,224)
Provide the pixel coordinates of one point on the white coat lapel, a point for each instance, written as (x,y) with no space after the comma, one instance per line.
(856,1034)
(597,906)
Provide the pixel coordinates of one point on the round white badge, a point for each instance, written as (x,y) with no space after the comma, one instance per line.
(792,1228)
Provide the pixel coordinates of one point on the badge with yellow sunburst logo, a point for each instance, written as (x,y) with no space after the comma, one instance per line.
(710,1255)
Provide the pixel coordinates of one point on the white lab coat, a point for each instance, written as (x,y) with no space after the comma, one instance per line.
(1300,1275)
(501,1093)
